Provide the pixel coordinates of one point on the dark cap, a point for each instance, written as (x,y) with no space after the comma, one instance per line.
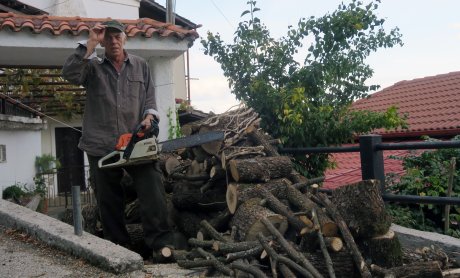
(115,25)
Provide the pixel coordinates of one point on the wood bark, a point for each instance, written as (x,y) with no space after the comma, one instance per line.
(277,206)
(430,269)
(347,236)
(328,227)
(384,251)
(260,139)
(342,261)
(260,168)
(362,207)
(248,216)
(188,197)
(290,250)
(238,193)
(327,257)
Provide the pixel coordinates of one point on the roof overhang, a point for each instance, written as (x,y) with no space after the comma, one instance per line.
(28,40)
(44,49)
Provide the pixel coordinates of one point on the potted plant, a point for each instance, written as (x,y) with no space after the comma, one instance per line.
(46,164)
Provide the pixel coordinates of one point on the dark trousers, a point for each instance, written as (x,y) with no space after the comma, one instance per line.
(150,193)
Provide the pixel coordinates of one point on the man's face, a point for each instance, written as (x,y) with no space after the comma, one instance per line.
(114,43)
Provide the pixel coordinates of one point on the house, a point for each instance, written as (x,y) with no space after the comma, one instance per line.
(41,34)
(432,105)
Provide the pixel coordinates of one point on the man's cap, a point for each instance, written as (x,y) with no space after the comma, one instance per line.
(114,25)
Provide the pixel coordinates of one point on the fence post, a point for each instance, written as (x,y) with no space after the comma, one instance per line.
(76,205)
(372,159)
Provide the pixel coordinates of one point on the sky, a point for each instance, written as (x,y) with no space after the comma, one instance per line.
(430,32)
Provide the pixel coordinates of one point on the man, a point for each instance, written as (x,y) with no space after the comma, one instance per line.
(119,95)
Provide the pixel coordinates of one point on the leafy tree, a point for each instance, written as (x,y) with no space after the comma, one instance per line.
(308,104)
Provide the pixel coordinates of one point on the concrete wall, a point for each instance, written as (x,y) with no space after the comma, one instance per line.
(22,146)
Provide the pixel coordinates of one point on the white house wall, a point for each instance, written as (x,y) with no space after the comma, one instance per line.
(179,77)
(126,9)
(22,146)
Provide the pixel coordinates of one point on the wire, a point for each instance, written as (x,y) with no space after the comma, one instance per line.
(54,119)
(57,4)
(40,113)
(228,21)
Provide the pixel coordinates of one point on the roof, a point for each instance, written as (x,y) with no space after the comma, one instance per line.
(59,25)
(432,105)
(348,167)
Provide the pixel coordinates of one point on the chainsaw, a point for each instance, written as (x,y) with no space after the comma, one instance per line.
(141,146)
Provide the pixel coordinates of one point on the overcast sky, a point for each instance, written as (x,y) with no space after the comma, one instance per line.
(430,29)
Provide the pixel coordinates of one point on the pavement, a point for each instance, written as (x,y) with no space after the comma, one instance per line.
(99,252)
(120,261)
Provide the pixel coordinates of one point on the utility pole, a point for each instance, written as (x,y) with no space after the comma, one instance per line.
(170,15)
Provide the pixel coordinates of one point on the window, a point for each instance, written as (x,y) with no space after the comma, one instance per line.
(2,153)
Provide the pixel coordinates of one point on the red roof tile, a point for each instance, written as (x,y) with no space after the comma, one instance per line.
(348,168)
(432,103)
(58,25)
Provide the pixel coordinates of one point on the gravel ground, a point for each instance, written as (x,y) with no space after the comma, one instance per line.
(23,256)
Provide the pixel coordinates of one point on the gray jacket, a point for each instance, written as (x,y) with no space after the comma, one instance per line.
(115,102)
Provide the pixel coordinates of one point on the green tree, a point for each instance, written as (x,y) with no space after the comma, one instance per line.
(308,104)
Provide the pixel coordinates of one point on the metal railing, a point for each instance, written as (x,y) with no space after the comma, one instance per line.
(61,196)
(372,167)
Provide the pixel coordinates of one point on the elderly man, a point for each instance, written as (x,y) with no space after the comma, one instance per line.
(119,95)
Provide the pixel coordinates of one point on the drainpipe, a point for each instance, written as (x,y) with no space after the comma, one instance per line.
(170,7)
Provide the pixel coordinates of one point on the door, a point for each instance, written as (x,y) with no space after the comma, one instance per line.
(72,171)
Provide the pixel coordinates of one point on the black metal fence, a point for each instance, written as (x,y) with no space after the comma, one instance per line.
(372,167)
(59,190)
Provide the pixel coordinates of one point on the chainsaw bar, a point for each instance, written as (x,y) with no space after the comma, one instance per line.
(190,141)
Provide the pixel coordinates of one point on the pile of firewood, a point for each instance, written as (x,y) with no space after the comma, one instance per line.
(246,211)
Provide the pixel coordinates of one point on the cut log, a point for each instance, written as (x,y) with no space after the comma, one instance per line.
(199,154)
(327,257)
(334,244)
(187,197)
(347,236)
(260,168)
(248,218)
(233,152)
(342,261)
(384,251)
(260,139)
(328,227)
(213,147)
(362,207)
(289,249)
(277,206)
(428,269)
(217,172)
(170,164)
(238,193)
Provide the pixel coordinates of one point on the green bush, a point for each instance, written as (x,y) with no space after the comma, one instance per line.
(15,191)
(427,174)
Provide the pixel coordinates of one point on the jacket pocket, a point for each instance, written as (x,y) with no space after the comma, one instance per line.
(135,85)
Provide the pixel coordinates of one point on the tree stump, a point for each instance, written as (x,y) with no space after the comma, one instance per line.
(260,169)
(362,207)
(384,251)
(247,220)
